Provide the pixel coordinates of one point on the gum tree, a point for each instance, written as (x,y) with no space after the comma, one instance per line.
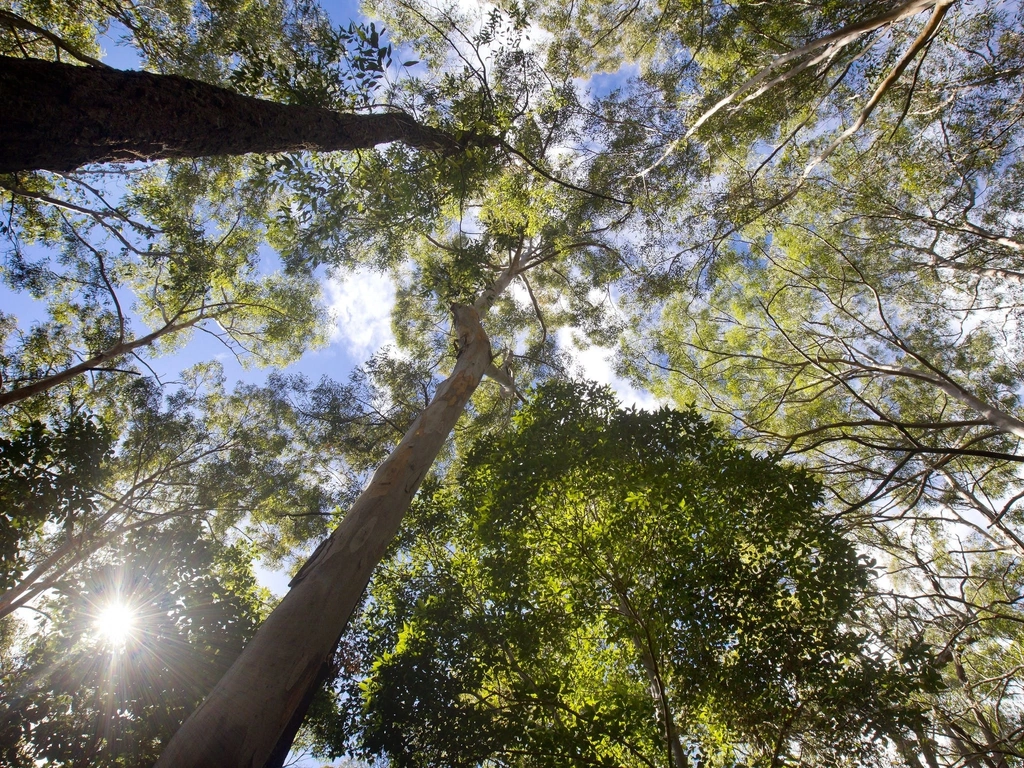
(83,689)
(176,245)
(513,260)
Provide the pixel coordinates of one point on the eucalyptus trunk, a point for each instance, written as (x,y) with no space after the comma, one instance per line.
(242,720)
(59,116)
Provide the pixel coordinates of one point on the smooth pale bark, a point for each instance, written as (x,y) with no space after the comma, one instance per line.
(993,415)
(242,720)
(59,117)
(824,49)
(833,41)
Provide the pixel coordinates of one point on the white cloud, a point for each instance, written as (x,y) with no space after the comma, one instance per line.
(518,293)
(360,304)
(595,363)
(534,38)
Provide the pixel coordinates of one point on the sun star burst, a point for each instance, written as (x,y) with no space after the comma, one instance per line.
(115,623)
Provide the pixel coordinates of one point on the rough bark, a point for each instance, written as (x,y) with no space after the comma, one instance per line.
(59,117)
(242,720)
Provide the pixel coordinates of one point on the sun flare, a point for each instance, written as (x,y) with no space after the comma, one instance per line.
(115,623)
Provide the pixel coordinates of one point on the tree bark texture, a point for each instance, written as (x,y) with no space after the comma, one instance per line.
(59,117)
(242,720)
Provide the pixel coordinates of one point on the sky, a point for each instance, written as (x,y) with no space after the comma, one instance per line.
(359,302)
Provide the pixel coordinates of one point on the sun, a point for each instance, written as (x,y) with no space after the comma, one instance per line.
(115,623)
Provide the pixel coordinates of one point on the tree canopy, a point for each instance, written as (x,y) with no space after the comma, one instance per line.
(85,691)
(607,587)
(801,222)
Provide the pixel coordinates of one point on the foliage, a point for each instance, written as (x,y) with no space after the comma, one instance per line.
(45,479)
(74,697)
(181,246)
(964,598)
(239,462)
(593,569)
(802,219)
(287,51)
(859,364)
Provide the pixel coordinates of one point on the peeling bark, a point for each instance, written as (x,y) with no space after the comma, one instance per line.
(59,117)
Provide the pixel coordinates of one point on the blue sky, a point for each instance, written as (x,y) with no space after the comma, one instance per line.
(360,302)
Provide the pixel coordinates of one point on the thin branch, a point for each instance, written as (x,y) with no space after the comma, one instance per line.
(920,44)
(561,182)
(836,40)
(93,363)
(17,22)
(536,309)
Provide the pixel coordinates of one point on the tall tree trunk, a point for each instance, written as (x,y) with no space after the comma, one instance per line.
(279,754)
(242,720)
(58,117)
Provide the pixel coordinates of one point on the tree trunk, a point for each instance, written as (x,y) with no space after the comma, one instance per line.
(677,757)
(242,720)
(58,117)
(279,754)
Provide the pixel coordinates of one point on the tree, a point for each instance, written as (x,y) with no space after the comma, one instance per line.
(181,247)
(65,116)
(388,223)
(603,586)
(68,116)
(196,269)
(735,106)
(528,254)
(591,206)
(241,721)
(888,369)
(859,313)
(960,593)
(237,462)
(541,229)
